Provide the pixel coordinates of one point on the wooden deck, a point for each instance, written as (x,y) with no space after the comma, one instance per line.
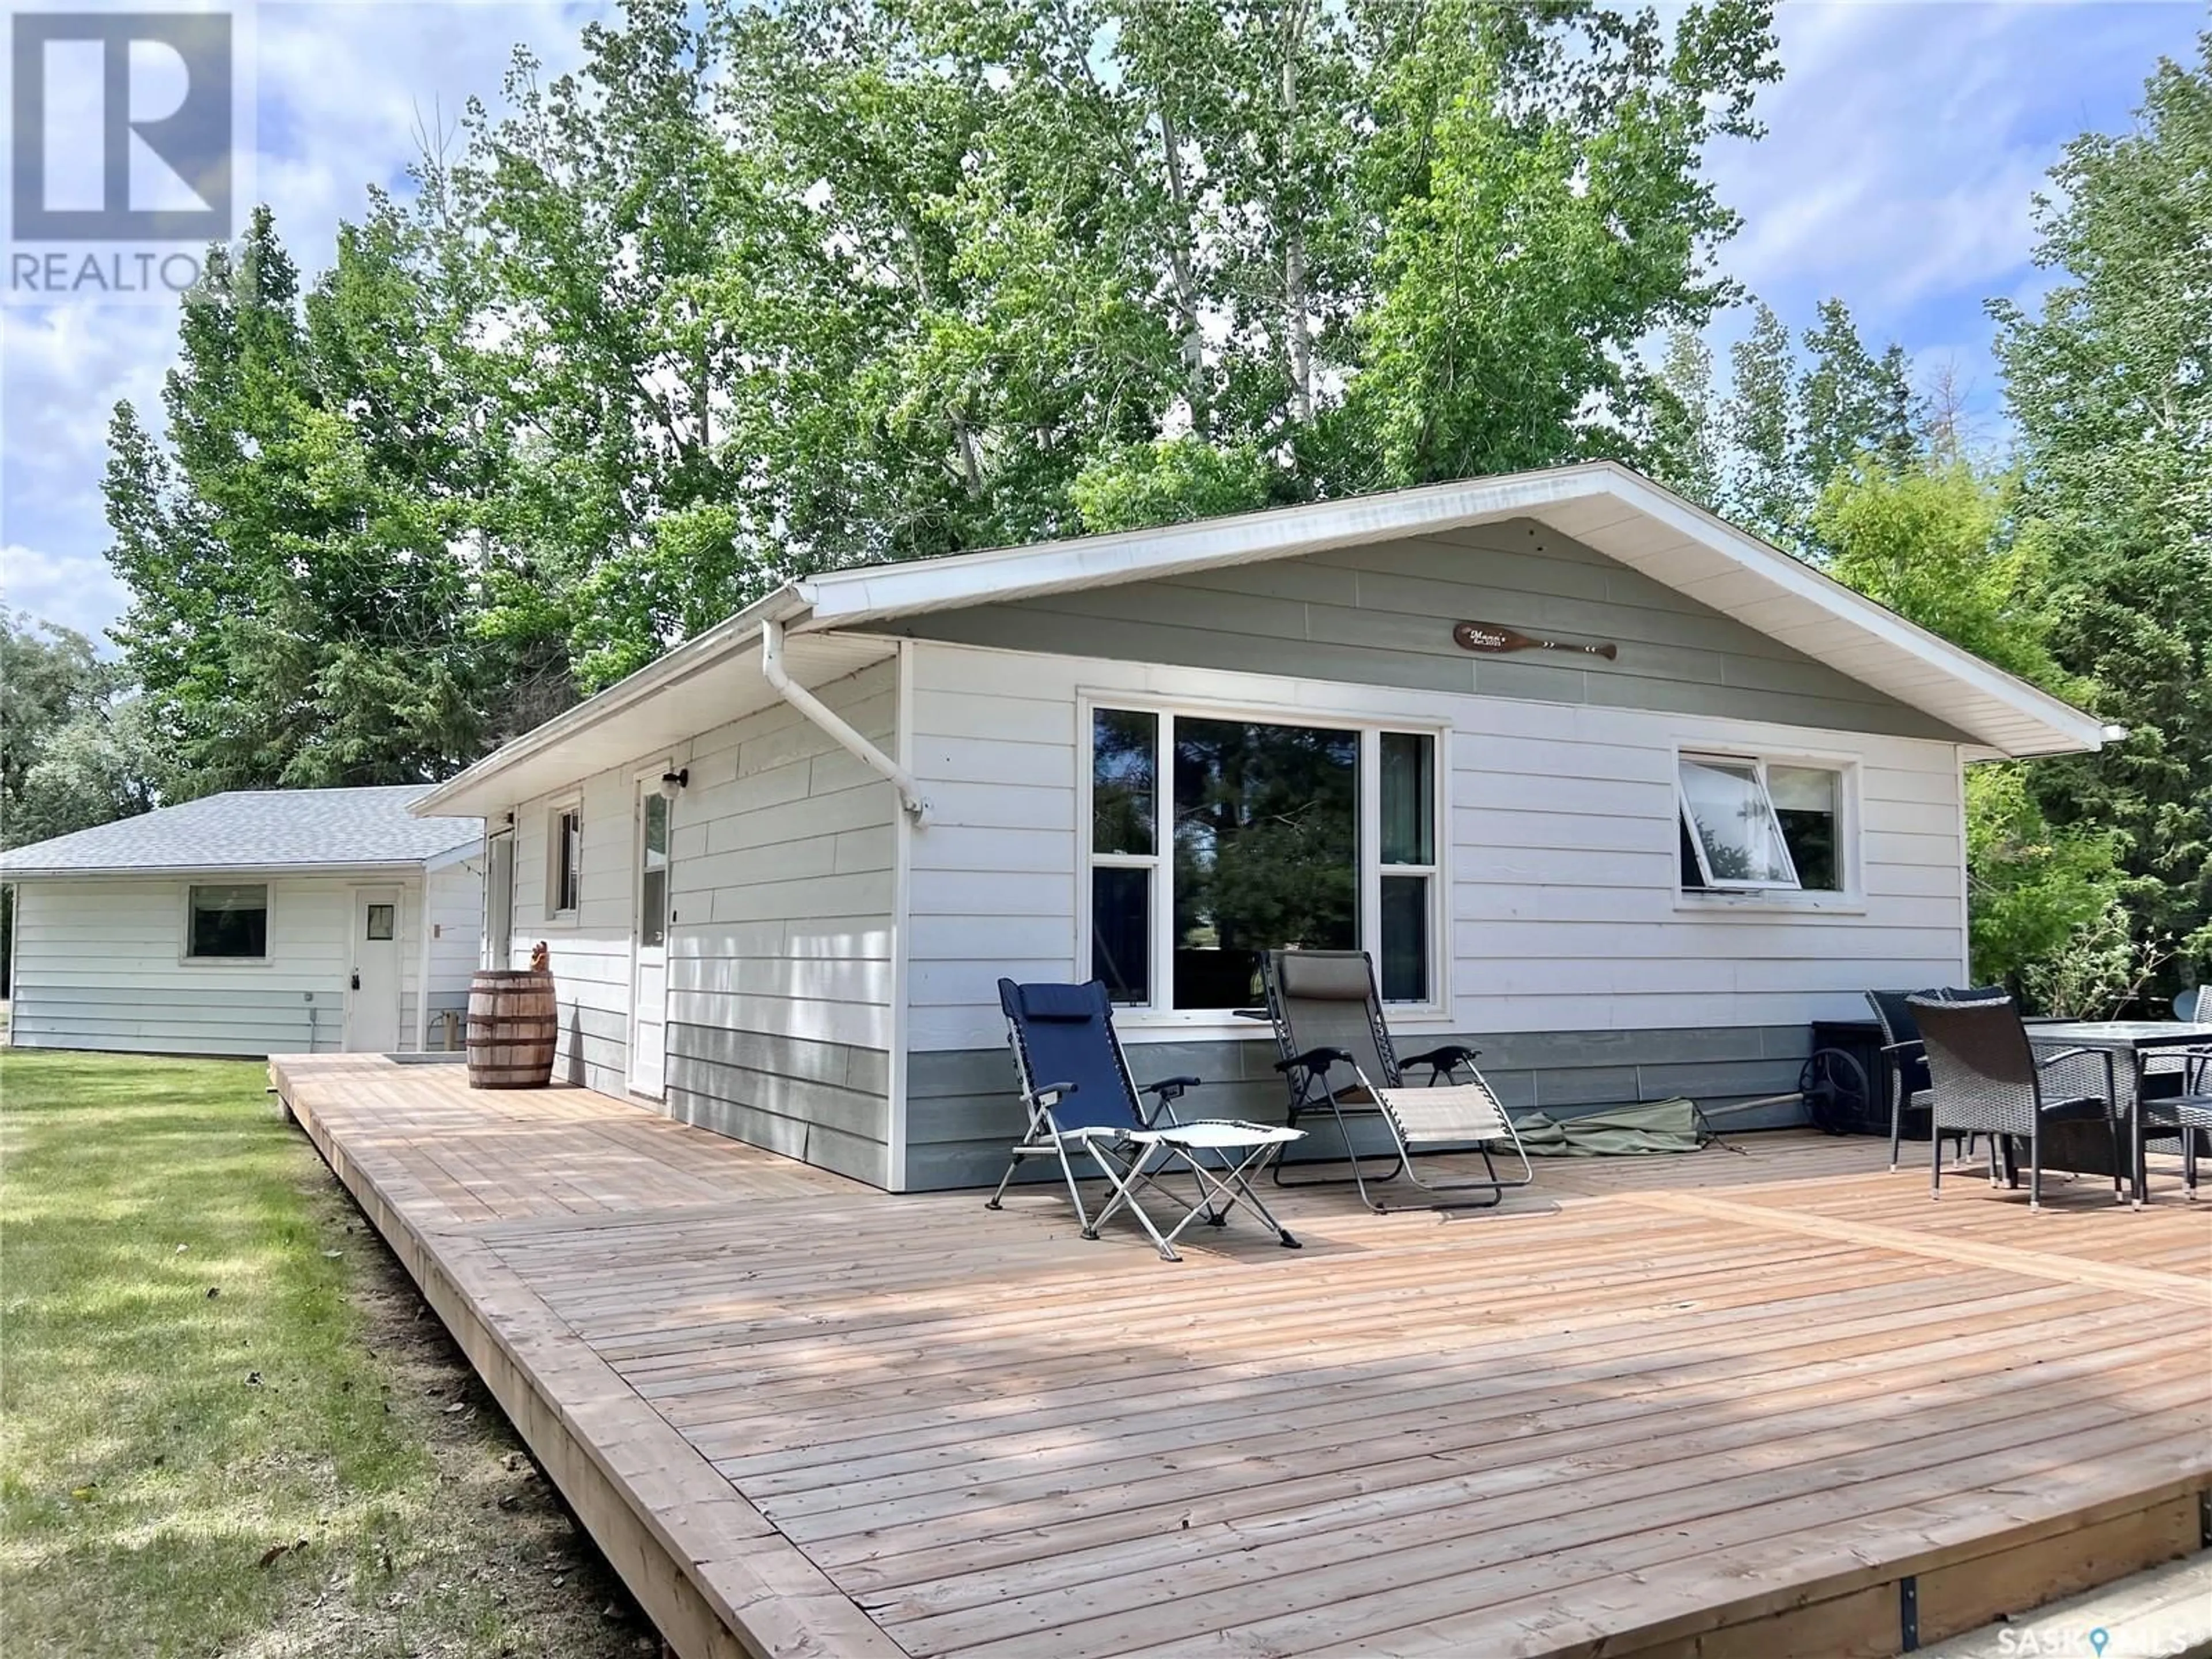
(1716,1405)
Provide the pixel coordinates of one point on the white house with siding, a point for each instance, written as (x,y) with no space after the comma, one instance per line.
(256,922)
(781,869)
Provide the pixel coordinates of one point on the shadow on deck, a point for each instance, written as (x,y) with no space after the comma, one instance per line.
(1717,1405)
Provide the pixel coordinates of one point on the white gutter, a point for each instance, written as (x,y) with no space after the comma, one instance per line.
(850,741)
(422,963)
(172,871)
(701,652)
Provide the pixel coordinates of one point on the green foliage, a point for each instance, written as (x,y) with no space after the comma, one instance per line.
(2104,968)
(48,675)
(1793,421)
(1762,490)
(761,290)
(1541,212)
(830,283)
(1935,543)
(210,1356)
(73,749)
(301,609)
(1686,435)
(2031,891)
(1168,482)
(1850,403)
(2109,386)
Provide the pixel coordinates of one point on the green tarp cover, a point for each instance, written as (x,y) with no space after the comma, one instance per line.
(1658,1126)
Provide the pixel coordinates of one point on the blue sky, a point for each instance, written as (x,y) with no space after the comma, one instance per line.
(1905,143)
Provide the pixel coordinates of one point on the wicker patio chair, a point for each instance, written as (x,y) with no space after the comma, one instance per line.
(2188,1115)
(1338,1059)
(1908,1061)
(1985,1077)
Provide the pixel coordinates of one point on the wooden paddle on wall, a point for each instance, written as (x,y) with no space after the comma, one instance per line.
(1490,636)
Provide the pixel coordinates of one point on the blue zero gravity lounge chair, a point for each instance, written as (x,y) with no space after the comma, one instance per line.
(1076,1088)
(1338,1059)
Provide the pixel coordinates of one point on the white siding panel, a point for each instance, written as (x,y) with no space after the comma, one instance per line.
(1566,910)
(781,903)
(100,964)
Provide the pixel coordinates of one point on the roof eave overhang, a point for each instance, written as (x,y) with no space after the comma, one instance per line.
(1994,712)
(350,867)
(462,795)
(882,593)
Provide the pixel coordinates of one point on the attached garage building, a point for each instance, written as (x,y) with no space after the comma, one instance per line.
(257,923)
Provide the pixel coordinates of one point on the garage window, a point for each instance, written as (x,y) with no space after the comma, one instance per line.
(228,924)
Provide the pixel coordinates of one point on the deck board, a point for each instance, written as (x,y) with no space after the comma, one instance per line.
(1657,1406)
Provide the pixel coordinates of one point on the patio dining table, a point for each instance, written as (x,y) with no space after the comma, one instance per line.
(2134,1040)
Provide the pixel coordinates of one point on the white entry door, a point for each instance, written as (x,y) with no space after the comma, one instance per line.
(372,1008)
(648,1022)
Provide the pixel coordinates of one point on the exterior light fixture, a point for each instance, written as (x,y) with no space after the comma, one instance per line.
(672,783)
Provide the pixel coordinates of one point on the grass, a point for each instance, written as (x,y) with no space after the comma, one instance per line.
(227,1423)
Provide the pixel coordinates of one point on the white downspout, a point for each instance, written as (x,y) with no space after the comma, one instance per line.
(851,742)
(423,965)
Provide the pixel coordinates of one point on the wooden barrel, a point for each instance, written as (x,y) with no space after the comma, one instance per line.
(511,1022)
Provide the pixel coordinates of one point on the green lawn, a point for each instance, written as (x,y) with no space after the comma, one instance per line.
(206,1356)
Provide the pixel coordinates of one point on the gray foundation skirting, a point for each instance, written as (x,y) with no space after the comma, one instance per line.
(962,1112)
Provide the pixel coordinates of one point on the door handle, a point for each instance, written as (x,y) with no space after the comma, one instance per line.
(356,979)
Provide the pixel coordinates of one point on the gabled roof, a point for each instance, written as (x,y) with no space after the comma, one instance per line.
(1601,504)
(270,830)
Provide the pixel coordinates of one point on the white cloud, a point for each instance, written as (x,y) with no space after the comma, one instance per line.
(76,591)
(1906,144)
(342,92)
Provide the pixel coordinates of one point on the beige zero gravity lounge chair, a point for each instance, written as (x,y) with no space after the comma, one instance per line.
(1337,1058)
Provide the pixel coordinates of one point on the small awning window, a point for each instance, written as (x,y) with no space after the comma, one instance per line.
(1729,820)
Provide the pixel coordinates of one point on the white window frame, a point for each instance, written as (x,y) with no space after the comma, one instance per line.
(555,837)
(185,955)
(1156,1015)
(1849,895)
(644,782)
(498,944)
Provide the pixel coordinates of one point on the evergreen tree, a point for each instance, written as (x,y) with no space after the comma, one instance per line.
(299,614)
(1687,443)
(2109,385)
(1849,403)
(1763,489)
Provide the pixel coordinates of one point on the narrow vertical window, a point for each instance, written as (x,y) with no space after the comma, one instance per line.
(499,900)
(1408,817)
(652,872)
(1125,749)
(568,862)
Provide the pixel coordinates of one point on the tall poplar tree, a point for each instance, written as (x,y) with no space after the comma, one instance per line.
(299,615)
(2110,385)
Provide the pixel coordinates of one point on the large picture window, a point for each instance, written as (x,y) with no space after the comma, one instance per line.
(1749,824)
(227,924)
(1213,840)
